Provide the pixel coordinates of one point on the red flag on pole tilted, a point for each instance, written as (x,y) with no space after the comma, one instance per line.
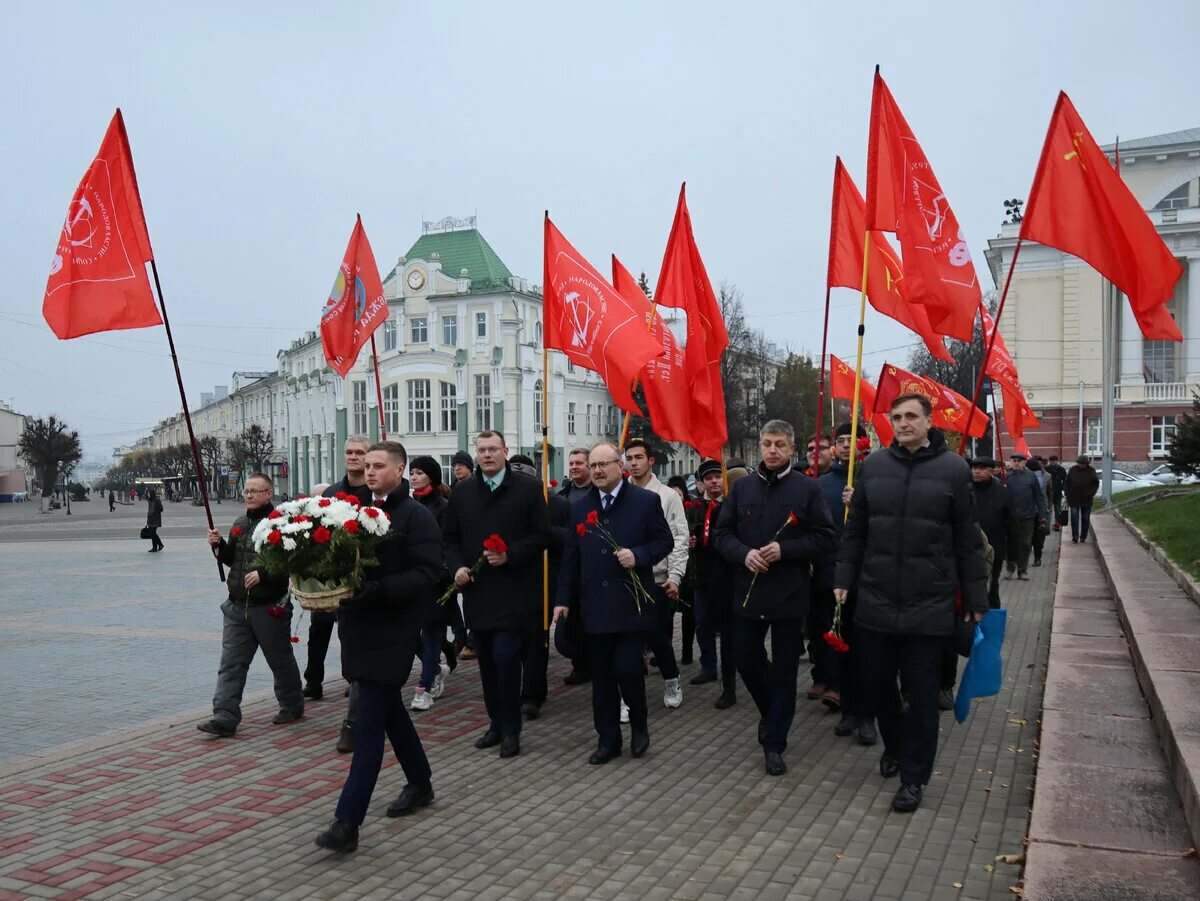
(950,408)
(591,322)
(841,385)
(683,283)
(1002,369)
(885,273)
(1081,206)
(98,275)
(903,196)
(356,306)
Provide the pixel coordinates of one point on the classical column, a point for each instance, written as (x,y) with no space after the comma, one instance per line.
(1132,372)
(1191,322)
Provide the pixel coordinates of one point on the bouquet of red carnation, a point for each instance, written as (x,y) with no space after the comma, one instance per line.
(833,637)
(592,523)
(790,521)
(493,543)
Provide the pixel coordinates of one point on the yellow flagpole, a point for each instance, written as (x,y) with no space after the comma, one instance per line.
(546,485)
(862,329)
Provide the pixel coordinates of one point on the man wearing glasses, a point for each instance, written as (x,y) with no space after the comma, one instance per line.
(257,615)
(596,584)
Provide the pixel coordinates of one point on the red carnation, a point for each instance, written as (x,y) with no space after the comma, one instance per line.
(580,529)
(301,518)
(340,495)
(301,497)
(274,536)
(295,639)
(372,512)
(276,610)
(324,502)
(235,531)
(592,518)
(321,535)
(275,514)
(791,520)
(351,526)
(495,544)
(554,483)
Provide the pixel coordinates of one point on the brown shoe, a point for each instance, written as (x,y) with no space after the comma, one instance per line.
(832,700)
(345,744)
(816,691)
(467,654)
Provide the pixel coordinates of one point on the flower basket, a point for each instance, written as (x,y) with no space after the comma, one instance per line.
(320,597)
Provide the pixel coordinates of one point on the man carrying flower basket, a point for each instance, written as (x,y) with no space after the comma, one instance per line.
(257,614)
(774,528)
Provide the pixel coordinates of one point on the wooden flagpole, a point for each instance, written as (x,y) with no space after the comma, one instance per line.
(862,330)
(378,390)
(545,467)
(821,372)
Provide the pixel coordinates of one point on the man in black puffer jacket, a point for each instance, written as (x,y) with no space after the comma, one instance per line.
(773,529)
(911,543)
(256,615)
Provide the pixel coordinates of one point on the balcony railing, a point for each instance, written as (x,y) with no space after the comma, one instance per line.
(1157,392)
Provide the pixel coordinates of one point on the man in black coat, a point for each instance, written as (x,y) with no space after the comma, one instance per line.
(1081,486)
(1027,502)
(502,602)
(1058,485)
(596,586)
(713,595)
(774,528)
(994,516)
(380,628)
(909,545)
(578,485)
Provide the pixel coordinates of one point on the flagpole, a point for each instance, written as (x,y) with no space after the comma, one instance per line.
(378,390)
(546,392)
(821,370)
(636,379)
(862,330)
(1109,356)
(187,416)
(1012,265)
(995,422)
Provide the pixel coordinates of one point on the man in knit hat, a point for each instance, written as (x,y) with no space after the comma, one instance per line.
(714,589)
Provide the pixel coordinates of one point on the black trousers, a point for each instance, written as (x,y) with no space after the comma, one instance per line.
(320,632)
(771,683)
(994,581)
(380,712)
(661,641)
(616,662)
(687,623)
(500,652)
(846,666)
(155,541)
(535,660)
(917,659)
(825,670)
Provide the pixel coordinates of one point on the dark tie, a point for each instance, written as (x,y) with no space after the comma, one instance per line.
(608,502)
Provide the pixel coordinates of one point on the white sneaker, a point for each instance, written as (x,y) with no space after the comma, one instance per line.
(672,693)
(421,701)
(624,712)
(439,682)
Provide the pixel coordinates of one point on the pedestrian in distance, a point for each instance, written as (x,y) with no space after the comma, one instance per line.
(425,477)
(1027,501)
(112,501)
(154,511)
(1080,488)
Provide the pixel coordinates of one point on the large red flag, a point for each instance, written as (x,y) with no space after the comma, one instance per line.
(841,381)
(885,272)
(1079,205)
(356,306)
(950,408)
(1001,368)
(683,283)
(591,322)
(903,196)
(98,275)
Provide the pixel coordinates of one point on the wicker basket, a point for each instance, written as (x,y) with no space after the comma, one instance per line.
(318,597)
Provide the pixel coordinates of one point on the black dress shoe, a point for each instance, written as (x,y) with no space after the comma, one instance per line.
(314,691)
(888,766)
(946,699)
(639,742)
(489,739)
(287,716)
(775,764)
(341,837)
(703,678)
(345,742)
(531,710)
(217,728)
(510,746)
(725,701)
(908,798)
(866,733)
(412,797)
(604,755)
(846,725)
(575,677)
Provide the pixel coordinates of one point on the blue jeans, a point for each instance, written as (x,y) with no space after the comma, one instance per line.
(706,634)
(431,654)
(1081,518)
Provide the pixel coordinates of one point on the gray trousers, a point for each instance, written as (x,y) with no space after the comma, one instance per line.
(246,630)
(1020,542)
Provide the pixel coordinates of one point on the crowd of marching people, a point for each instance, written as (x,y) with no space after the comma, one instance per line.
(872,583)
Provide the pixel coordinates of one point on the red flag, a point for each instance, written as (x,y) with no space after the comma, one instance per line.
(683,283)
(591,322)
(841,380)
(1079,205)
(98,275)
(950,408)
(1001,368)
(885,273)
(356,306)
(903,196)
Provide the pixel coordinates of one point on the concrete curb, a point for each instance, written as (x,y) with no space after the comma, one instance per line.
(1189,585)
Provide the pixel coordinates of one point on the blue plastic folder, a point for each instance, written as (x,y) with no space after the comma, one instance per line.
(981,676)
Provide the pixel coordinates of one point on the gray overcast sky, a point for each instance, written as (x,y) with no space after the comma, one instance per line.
(258,134)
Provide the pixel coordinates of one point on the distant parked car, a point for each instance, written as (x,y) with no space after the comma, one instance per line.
(1123,481)
(1164,475)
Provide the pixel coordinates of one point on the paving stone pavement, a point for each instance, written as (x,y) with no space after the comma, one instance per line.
(160,811)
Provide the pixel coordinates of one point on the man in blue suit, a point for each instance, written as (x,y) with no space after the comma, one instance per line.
(596,584)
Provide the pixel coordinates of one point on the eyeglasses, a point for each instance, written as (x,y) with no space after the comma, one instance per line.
(600,464)
(256,491)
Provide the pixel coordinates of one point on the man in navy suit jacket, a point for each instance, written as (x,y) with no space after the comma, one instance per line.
(596,584)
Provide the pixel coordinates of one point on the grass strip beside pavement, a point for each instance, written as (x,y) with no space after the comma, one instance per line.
(1173,523)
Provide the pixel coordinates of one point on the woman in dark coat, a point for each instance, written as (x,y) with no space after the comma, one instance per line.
(425,476)
(154,520)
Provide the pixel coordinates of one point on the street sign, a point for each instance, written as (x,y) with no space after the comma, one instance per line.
(224,470)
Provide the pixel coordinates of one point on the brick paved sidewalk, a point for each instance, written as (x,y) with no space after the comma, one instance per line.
(169,813)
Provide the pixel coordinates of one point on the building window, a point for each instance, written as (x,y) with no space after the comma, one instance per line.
(420,407)
(420,330)
(391,409)
(449,407)
(571,418)
(483,402)
(389,334)
(1160,359)
(538,401)
(1179,199)
(570,365)
(359,408)
(447,468)
(537,335)
(1162,430)
(450,331)
(481,326)
(587,421)
(1095,437)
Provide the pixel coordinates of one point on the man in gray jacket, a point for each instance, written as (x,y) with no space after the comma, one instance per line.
(1027,504)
